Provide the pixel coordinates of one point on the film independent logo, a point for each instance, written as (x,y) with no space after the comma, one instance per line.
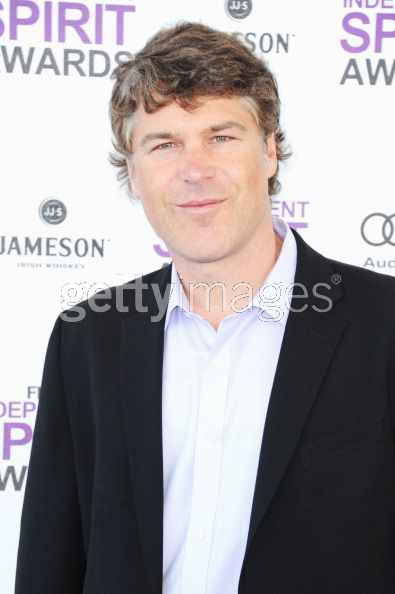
(52,211)
(378,229)
(238,9)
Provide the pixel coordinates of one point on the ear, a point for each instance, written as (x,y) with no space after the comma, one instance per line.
(271,155)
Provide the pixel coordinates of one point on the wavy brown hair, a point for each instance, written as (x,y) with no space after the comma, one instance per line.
(183,63)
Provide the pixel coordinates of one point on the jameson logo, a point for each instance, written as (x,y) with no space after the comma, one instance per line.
(52,246)
(266,43)
(52,211)
(238,9)
(81,24)
(369,30)
(259,42)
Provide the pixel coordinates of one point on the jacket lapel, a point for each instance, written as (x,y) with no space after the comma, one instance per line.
(310,340)
(141,393)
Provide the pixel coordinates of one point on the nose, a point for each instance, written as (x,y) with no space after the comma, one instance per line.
(195,165)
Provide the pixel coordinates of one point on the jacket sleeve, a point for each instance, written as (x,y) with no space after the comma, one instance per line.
(51,558)
(392,386)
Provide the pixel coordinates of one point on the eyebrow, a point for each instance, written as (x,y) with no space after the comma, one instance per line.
(152,136)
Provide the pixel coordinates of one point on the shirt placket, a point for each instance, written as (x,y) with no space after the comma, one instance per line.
(207,474)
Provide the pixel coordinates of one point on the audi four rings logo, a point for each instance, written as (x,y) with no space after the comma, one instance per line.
(379,229)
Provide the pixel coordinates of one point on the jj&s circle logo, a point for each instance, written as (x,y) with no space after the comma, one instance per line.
(52,211)
(378,229)
(238,9)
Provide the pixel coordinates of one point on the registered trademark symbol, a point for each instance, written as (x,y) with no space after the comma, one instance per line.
(336,279)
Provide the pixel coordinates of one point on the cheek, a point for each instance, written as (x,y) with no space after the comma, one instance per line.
(151,180)
(142,189)
(153,197)
(247,172)
(257,171)
(248,160)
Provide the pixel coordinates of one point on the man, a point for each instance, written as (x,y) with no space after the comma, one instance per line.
(234,433)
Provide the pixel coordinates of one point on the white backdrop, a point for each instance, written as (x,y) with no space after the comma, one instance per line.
(335,68)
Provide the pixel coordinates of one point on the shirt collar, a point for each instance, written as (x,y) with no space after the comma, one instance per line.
(177,295)
(274,295)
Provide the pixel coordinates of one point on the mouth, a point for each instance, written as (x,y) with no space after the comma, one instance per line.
(201,205)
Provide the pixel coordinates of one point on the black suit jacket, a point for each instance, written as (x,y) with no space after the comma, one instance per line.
(323,515)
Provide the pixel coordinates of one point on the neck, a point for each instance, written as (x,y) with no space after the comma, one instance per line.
(217,289)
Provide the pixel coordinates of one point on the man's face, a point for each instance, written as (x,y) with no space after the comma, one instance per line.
(214,153)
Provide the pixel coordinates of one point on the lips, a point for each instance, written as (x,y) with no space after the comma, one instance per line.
(200,203)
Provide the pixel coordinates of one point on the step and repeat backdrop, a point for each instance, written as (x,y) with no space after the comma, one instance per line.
(68,230)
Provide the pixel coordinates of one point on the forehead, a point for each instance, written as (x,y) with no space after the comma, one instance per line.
(210,112)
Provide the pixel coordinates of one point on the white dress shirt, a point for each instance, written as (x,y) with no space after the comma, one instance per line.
(216,389)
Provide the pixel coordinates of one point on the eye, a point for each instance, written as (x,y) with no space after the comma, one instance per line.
(222,138)
(163,146)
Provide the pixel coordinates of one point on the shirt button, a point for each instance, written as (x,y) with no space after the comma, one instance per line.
(215,364)
(200,535)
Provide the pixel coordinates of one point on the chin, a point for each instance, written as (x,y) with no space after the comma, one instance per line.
(204,257)
(199,252)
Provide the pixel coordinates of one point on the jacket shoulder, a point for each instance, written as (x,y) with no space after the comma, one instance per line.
(367,295)
(110,306)
(356,277)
